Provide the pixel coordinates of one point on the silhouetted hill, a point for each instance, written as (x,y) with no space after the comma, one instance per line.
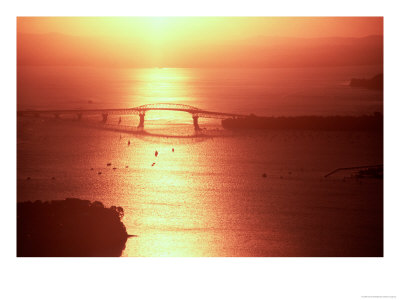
(373,122)
(59,49)
(375,83)
(71,227)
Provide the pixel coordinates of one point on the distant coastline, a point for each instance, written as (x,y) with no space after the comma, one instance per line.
(366,122)
(374,83)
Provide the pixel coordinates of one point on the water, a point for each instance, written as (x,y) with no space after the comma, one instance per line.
(208,197)
(277,92)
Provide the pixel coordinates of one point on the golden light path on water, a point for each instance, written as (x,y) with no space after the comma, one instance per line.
(166,210)
(162,85)
(168,200)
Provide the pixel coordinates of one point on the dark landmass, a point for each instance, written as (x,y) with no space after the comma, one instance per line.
(71,227)
(374,83)
(371,122)
(371,172)
(374,171)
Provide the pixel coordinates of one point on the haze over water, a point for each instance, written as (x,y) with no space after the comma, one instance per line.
(208,197)
(261,91)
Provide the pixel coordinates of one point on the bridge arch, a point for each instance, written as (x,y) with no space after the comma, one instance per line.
(167,106)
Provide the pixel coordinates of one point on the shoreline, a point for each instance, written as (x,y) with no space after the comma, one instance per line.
(324,123)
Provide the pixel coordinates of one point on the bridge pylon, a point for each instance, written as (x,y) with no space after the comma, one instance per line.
(141,122)
(196,122)
(105,116)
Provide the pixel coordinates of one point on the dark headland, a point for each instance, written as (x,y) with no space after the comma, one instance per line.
(71,227)
(374,83)
(366,122)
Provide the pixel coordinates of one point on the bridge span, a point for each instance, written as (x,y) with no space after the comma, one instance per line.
(139,110)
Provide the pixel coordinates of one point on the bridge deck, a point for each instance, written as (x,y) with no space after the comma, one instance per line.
(134,111)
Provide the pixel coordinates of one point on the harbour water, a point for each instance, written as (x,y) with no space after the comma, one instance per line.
(208,197)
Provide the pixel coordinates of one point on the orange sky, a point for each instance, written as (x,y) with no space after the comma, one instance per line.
(205,27)
(197,41)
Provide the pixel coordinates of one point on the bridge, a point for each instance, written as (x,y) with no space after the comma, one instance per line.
(139,110)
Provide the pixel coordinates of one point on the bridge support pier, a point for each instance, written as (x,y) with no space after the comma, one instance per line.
(141,122)
(196,122)
(105,116)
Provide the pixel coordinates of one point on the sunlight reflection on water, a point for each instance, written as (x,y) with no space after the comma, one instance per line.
(162,85)
(208,198)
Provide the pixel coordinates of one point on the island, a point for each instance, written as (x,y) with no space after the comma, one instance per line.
(69,228)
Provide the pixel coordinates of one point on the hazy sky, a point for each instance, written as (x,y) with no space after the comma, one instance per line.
(197,41)
(204,27)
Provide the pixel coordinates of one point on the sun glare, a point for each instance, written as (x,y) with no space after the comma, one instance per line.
(163,85)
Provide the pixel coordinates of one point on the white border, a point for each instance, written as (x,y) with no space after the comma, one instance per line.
(201,278)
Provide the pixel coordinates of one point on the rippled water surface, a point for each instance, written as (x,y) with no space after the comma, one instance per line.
(208,197)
